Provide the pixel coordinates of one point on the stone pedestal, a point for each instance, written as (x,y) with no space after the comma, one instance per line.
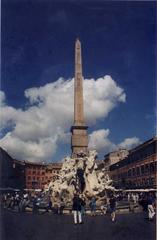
(79,140)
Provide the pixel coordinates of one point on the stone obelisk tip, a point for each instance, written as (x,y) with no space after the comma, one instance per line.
(78,43)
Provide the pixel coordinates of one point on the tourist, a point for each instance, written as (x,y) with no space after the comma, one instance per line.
(112,202)
(143,201)
(77,209)
(25,195)
(55,208)
(134,198)
(151,211)
(17,200)
(83,205)
(35,207)
(92,206)
(137,197)
(103,207)
(50,204)
(129,195)
(11,202)
(61,206)
(131,203)
(4,200)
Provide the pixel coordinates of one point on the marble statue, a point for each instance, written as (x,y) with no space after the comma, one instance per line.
(81,175)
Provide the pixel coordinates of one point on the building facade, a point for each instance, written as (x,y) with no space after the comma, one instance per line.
(12,172)
(138,169)
(39,175)
(35,175)
(18,174)
(115,157)
(52,172)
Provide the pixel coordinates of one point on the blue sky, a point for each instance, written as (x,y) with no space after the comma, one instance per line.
(38,37)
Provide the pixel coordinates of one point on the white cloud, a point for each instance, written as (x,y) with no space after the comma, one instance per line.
(129,143)
(38,130)
(101,96)
(33,151)
(2,98)
(99,140)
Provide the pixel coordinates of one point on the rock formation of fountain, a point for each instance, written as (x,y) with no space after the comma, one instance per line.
(80,175)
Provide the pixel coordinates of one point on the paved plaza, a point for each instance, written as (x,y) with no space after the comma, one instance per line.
(28,226)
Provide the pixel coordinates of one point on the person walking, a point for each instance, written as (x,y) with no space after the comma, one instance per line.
(151,211)
(131,203)
(103,207)
(76,207)
(92,205)
(35,206)
(61,206)
(83,205)
(49,206)
(112,202)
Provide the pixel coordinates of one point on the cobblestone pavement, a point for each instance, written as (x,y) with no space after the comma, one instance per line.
(28,226)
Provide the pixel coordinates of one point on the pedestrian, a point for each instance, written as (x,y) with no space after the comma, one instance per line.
(143,201)
(83,205)
(112,202)
(8,201)
(134,198)
(131,203)
(50,205)
(77,209)
(55,208)
(17,200)
(4,200)
(137,198)
(11,202)
(151,212)
(92,206)
(61,206)
(103,207)
(35,207)
(129,195)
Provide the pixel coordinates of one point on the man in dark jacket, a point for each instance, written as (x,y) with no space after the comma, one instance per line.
(77,209)
(112,202)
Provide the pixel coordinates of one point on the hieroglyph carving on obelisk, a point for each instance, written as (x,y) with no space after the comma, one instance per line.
(79,140)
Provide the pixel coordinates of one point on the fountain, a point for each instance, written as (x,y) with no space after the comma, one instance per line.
(80,175)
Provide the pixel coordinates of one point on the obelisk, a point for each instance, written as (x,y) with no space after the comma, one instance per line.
(79,139)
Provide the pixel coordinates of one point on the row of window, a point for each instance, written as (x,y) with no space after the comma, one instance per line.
(143,152)
(142,182)
(30,185)
(143,169)
(35,178)
(35,183)
(52,171)
(139,171)
(36,172)
(36,167)
(41,178)
(42,172)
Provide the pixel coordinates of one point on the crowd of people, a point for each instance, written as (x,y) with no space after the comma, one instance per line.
(21,200)
(146,200)
(15,200)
